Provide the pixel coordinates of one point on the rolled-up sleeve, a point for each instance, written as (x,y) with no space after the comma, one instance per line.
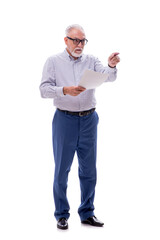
(48,88)
(112,72)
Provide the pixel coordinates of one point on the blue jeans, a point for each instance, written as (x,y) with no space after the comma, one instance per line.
(74,134)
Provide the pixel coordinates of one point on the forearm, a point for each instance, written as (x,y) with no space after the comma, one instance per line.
(111,69)
(112,74)
(48,91)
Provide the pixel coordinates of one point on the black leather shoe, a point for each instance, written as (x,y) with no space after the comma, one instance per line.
(93,221)
(62,223)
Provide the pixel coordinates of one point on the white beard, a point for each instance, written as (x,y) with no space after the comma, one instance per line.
(76,54)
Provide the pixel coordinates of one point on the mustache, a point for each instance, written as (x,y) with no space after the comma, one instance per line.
(78,48)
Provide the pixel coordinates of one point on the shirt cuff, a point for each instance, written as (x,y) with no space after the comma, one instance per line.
(112,69)
(59,92)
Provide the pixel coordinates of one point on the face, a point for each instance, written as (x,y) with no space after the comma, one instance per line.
(75,50)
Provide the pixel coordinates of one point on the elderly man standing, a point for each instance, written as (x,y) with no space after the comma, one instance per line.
(75,122)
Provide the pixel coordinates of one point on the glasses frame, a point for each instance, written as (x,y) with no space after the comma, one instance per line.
(79,41)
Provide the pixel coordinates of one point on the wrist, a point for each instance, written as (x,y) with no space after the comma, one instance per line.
(64,90)
(111,66)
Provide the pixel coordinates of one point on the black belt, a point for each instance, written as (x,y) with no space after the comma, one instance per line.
(81,114)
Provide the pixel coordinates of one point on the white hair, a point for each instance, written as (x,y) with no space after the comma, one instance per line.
(73,26)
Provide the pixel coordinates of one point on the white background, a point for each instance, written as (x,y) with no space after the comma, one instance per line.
(128,187)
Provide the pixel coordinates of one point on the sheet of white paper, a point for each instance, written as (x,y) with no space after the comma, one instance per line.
(92,79)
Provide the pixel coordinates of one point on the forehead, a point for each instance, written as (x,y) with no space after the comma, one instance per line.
(76,33)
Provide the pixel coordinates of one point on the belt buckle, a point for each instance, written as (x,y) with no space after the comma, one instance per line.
(81,114)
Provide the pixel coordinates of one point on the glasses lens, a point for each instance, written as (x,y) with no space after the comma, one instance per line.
(76,41)
(83,41)
(86,41)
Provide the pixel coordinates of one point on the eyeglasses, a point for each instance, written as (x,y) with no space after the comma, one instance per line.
(77,41)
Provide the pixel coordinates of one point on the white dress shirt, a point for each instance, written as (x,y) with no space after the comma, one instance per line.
(63,70)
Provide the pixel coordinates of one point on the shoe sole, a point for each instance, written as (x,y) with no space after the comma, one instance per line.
(88,223)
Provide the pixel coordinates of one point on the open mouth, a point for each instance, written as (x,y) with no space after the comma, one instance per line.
(78,50)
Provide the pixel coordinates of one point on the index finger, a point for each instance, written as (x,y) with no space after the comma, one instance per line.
(114,54)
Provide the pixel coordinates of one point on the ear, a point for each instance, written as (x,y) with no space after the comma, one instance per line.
(66,40)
